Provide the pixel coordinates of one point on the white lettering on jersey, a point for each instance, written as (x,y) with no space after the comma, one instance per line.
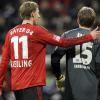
(18,30)
(23,63)
(83,55)
(81,66)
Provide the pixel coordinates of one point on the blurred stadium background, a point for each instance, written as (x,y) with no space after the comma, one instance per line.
(57,16)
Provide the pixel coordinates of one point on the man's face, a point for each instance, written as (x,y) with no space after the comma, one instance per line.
(36,16)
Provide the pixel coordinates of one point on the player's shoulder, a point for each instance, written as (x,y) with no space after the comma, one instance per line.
(76,31)
(41,27)
(71,32)
(9,31)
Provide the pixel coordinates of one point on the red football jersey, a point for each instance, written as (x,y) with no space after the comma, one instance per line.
(25,49)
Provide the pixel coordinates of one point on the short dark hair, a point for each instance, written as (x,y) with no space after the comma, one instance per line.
(27,8)
(86,16)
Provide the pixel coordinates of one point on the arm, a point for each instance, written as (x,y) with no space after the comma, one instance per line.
(55,61)
(56,56)
(48,38)
(4,61)
(96,46)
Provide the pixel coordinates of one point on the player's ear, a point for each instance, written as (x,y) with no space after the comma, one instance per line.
(32,14)
(78,20)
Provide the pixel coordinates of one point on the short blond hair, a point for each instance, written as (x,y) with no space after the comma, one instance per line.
(27,8)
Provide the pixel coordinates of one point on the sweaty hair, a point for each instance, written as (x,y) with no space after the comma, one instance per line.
(27,8)
(86,16)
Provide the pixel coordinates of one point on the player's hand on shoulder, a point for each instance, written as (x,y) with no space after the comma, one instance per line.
(95,33)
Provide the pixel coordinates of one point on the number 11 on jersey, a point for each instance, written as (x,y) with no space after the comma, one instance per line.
(16,41)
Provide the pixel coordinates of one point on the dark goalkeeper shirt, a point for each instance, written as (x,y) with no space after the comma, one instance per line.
(81,82)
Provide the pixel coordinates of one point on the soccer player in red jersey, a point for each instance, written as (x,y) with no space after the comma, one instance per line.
(25,49)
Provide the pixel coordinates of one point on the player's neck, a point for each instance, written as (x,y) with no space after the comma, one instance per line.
(27,22)
(87,28)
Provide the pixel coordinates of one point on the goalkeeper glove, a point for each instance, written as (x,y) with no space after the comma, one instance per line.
(60,83)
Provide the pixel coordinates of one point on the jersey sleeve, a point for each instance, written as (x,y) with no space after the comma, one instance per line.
(5,60)
(49,38)
(56,56)
(55,61)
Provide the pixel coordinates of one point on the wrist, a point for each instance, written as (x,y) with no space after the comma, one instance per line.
(60,77)
(93,36)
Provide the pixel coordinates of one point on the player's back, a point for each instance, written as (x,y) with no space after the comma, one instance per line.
(80,62)
(27,57)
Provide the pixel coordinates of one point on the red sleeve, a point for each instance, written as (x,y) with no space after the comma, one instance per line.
(4,60)
(49,38)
